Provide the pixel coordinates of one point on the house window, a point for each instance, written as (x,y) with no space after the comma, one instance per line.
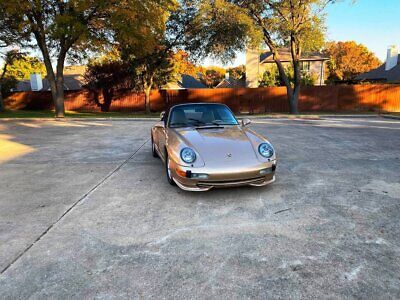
(305,66)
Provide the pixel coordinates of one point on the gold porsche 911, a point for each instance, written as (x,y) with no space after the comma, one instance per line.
(203,146)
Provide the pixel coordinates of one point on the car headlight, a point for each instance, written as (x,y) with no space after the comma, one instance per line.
(188,155)
(266,150)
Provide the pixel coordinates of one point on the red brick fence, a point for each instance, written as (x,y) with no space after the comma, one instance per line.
(342,98)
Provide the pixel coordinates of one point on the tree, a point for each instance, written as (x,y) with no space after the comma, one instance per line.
(62,28)
(17,66)
(8,38)
(211,76)
(222,27)
(106,76)
(183,65)
(349,59)
(152,70)
(23,66)
(237,72)
(9,58)
(271,77)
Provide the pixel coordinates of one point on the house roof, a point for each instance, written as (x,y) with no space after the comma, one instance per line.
(189,82)
(380,74)
(71,82)
(285,56)
(185,82)
(232,83)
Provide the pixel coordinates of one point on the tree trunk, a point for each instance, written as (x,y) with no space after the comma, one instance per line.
(2,106)
(58,97)
(147,99)
(295,51)
(59,101)
(107,99)
(292,93)
(147,85)
(3,74)
(293,99)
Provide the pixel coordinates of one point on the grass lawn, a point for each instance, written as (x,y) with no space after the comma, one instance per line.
(72,114)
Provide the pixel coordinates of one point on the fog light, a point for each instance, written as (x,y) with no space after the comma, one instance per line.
(266,171)
(199,176)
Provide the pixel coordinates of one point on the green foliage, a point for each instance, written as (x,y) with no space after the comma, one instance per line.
(217,28)
(7,85)
(211,76)
(271,77)
(153,70)
(106,75)
(22,67)
(138,26)
(309,79)
(8,81)
(237,72)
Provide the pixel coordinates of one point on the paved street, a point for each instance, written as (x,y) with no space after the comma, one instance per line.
(86,212)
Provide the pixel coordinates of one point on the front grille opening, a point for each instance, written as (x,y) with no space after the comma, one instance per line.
(227,182)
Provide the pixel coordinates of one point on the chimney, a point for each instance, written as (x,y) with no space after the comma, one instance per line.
(252,67)
(36,82)
(227,75)
(392,58)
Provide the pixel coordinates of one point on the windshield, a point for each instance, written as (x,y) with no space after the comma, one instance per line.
(201,115)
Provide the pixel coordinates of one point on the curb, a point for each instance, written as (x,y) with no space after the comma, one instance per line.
(309,117)
(391,117)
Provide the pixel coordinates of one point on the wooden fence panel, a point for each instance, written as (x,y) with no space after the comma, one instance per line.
(343,98)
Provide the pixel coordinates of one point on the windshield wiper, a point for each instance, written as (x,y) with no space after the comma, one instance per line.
(216,123)
(197,121)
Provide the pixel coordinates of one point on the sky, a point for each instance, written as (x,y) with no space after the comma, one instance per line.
(374,23)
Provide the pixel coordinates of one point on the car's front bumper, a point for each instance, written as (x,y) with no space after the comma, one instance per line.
(258,174)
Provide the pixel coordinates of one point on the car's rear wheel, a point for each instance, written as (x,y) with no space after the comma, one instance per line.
(168,170)
(153,148)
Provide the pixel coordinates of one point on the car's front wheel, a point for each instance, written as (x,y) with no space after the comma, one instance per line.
(168,170)
(153,148)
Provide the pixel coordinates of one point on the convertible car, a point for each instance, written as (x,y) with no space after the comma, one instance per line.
(203,146)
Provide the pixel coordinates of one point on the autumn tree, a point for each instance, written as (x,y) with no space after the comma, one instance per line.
(212,75)
(220,28)
(72,27)
(183,65)
(349,59)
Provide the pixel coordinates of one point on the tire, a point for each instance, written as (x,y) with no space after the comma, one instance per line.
(167,170)
(153,148)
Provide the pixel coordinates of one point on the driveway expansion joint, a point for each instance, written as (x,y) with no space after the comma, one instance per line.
(80,200)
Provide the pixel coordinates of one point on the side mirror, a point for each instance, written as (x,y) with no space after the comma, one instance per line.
(162,116)
(245,122)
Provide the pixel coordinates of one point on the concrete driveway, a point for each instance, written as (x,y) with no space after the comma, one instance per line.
(86,212)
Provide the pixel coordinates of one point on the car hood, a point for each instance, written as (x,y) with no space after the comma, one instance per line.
(220,144)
